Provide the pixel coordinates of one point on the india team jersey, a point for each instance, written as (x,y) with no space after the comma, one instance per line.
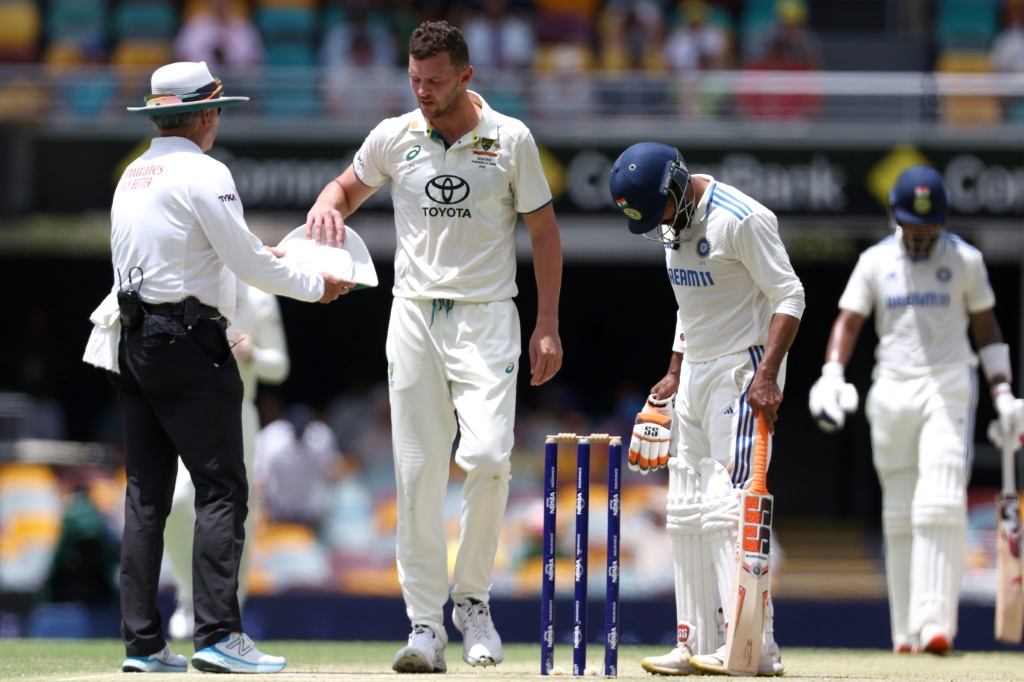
(921,308)
(731,277)
(455,207)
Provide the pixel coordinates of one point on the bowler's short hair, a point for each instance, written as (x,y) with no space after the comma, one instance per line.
(432,38)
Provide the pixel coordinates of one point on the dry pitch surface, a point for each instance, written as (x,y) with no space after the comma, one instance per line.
(28,660)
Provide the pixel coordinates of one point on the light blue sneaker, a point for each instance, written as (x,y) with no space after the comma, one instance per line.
(163,661)
(236,654)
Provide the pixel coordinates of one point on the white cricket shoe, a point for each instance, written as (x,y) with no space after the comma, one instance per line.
(481,644)
(423,654)
(675,662)
(163,661)
(236,654)
(770,664)
(934,640)
(182,624)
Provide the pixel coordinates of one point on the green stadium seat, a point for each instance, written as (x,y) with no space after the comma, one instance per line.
(145,19)
(966,24)
(80,21)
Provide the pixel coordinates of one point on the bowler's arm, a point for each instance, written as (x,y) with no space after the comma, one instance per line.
(545,344)
(325,222)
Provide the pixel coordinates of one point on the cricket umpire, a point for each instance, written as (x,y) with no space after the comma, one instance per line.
(178,241)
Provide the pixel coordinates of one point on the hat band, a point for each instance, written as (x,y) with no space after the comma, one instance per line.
(213,90)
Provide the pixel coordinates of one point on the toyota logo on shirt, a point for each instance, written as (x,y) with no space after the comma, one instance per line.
(447,190)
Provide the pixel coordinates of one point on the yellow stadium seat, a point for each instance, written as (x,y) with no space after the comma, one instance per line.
(20,25)
(967,109)
(285,536)
(62,54)
(142,53)
(33,530)
(194,7)
(563,58)
(18,475)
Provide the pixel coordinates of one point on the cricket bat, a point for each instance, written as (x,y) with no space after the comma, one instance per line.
(752,577)
(1009,597)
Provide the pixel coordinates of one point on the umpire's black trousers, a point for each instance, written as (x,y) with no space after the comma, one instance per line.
(181,395)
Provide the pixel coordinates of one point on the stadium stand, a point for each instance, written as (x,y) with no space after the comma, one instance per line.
(20,26)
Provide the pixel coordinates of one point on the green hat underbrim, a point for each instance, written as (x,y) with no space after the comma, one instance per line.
(186,107)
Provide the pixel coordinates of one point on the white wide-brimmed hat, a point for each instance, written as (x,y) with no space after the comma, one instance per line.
(351,261)
(183,87)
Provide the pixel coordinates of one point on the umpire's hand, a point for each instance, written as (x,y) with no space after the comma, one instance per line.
(334,287)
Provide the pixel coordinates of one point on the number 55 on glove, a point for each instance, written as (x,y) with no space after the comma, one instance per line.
(648,449)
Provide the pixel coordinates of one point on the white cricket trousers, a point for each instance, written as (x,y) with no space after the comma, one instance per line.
(452,370)
(922,435)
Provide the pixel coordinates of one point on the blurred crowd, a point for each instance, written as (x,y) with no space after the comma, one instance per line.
(326,518)
(545,58)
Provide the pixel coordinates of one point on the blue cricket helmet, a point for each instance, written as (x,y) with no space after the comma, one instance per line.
(919,197)
(641,181)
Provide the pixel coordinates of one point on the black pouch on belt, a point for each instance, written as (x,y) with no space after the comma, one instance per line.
(131,308)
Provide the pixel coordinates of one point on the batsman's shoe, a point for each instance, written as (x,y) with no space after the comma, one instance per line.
(423,654)
(675,662)
(481,644)
(236,654)
(934,641)
(182,624)
(770,664)
(905,646)
(163,661)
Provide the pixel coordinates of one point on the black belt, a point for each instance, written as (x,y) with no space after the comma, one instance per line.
(177,310)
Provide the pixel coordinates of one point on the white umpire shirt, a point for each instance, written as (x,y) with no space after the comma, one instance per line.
(731,277)
(177,216)
(922,308)
(455,207)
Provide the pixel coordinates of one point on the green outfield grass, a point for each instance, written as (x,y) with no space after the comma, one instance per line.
(28,660)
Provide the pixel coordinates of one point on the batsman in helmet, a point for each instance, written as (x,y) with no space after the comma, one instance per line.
(926,287)
(739,307)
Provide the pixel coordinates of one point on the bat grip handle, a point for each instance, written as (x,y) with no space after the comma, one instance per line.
(759,478)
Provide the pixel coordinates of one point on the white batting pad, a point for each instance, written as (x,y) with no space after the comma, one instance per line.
(938,558)
(695,583)
(897,495)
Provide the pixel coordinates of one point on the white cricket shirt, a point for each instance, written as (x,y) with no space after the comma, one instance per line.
(455,207)
(921,308)
(258,316)
(177,215)
(731,277)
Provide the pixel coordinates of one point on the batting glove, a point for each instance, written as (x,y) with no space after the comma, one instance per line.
(995,427)
(648,450)
(1002,397)
(832,398)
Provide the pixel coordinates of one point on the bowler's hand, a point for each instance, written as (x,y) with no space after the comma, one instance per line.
(325,225)
(545,353)
(334,287)
(278,252)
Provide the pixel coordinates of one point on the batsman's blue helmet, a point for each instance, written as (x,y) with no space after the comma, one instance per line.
(641,180)
(919,197)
